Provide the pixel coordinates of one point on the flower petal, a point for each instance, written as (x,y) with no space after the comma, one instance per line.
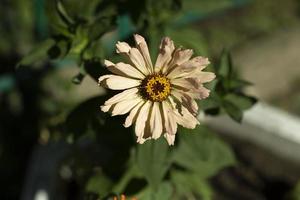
(166,49)
(170,138)
(180,56)
(170,124)
(115,82)
(179,72)
(143,47)
(205,77)
(198,62)
(122,96)
(137,59)
(156,126)
(182,84)
(125,106)
(200,93)
(141,119)
(182,115)
(123,47)
(186,100)
(123,69)
(189,68)
(131,118)
(186,119)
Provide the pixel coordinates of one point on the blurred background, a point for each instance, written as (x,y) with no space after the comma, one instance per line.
(37,94)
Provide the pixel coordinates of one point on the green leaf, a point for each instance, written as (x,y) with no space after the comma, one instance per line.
(80,40)
(63,13)
(187,184)
(99,184)
(153,160)
(242,101)
(37,54)
(238,84)
(200,151)
(164,192)
(77,79)
(225,66)
(211,105)
(59,50)
(131,172)
(233,110)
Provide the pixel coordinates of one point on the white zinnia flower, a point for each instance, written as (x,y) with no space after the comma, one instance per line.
(157,97)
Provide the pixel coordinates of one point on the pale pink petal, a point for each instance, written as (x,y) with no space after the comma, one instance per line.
(125,106)
(126,94)
(170,138)
(182,84)
(179,72)
(131,118)
(105,108)
(205,77)
(189,68)
(198,62)
(186,119)
(141,140)
(156,126)
(108,63)
(141,119)
(137,59)
(123,69)
(103,78)
(123,47)
(182,115)
(200,93)
(187,101)
(180,56)
(169,119)
(143,47)
(115,82)
(166,49)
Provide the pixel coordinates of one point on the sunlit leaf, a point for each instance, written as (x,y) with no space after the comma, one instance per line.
(80,40)
(164,192)
(187,183)
(200,151)
(153,160)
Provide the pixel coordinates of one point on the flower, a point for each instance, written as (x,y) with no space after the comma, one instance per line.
(157,97)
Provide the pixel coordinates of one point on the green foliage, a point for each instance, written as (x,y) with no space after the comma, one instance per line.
(99,184)
(152,170)
(39,53)
(164,191)
(200,155)
(153,161)
(188,184)
(227,91)
(208,153)
(295,193)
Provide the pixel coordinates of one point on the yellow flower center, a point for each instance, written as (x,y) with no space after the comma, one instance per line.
(156,87)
